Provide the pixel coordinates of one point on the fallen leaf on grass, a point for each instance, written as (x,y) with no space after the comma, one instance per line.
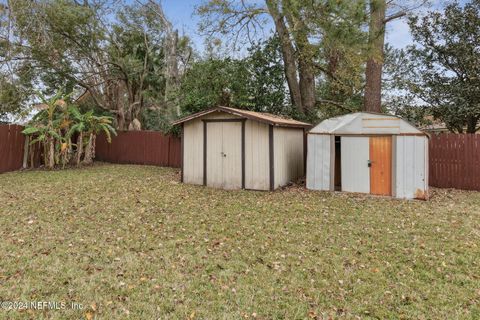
(89,315)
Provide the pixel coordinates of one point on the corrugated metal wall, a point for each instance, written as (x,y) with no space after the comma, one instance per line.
(411,167)
(318,161)
(256,152)
(288,155)
(257,174)
(193,152)
(224,155)
(355,170)
(193,147)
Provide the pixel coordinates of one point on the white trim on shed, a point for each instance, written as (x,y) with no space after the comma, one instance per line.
(362,123)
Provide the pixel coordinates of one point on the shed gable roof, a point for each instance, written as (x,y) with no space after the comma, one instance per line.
(252,115)
(365,123)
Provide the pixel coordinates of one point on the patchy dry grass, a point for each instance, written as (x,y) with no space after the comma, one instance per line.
(131,242)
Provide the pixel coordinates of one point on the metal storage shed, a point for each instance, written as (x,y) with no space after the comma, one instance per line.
(368,153)
(238,149)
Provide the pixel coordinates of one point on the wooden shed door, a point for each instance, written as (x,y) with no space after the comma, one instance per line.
(381,165)
(224,155)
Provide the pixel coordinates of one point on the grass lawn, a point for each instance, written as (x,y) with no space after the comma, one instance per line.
(131,242)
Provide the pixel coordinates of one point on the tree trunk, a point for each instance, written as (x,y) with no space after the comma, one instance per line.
(334,91)
(472,125)
(288,55)
(45,153)
(305,54)
(88,150)
(171,59)
(78,156)
(70,149)
(94,140)
(373,72)
(171,72)
(26,149)
(120,120)
(117,103)
(32,155)
(307,85)
(51,153)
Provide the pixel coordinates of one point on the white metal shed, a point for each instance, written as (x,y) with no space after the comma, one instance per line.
(239,149)
(368,153)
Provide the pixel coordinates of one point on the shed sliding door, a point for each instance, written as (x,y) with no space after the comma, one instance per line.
(354,164)
(366,164)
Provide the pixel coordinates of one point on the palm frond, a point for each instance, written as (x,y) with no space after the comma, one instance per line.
(30,130)
(73,110)
(38,139)
(107,133)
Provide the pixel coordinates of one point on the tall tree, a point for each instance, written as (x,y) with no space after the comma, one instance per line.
(299,24)
(373,72)
(256,82)
(171,43)
(441,72)
(376,43)
(115,53)
(266,79)
(288,53)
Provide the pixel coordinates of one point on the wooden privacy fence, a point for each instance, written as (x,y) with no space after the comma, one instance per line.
(455,161)
(12,143)
(140,147)
(454,158)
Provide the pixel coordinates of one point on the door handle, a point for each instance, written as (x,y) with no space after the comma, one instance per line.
(223,154)
(369,163)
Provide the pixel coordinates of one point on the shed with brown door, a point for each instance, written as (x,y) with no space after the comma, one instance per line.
(368,153)
(238,149)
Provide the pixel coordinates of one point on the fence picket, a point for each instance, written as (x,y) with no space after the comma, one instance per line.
(140,147)
(455,161)
(12,143)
